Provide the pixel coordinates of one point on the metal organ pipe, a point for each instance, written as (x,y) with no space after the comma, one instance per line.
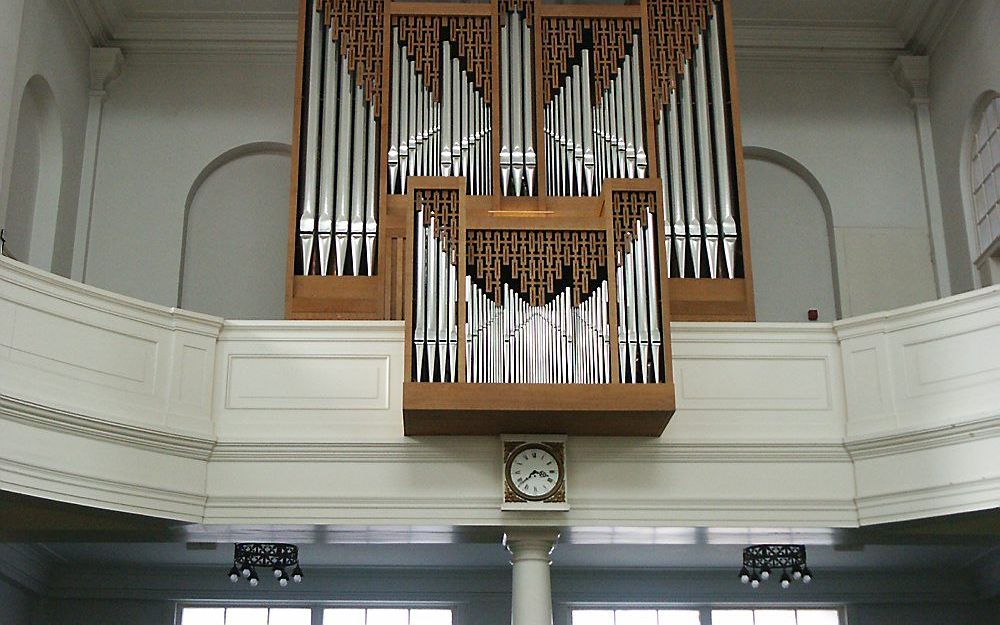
(518,159)
(515,342)
(587,144)
(694,133)
(338,216)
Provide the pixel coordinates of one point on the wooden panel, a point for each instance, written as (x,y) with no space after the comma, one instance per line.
(574,409)
(709,300)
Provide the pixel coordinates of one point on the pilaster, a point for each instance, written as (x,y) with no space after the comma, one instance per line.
(105,65)
(913,73)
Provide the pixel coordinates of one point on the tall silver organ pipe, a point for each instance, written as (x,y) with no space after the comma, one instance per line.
(515,342)
(518,159)
(435,282)
(587,143)
(445,135)
(338,218)
(640,341)
(696,163)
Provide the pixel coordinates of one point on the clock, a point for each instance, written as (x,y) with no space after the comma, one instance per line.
(534,474)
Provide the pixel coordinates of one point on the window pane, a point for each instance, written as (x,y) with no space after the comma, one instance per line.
(819,617)
(340,616)
(430,617)
(635,617)
(593,617)
(774,617)
(680,617)
(388,617)
(203,616)
(246,616)
(732,617)
(290,616)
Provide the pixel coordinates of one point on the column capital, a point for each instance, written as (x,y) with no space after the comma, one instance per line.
(105,65)
(531,542)
(913,75)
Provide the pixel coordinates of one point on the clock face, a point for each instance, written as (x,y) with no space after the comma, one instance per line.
(534,472)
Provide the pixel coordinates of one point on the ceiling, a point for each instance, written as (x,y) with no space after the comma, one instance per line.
(884,28)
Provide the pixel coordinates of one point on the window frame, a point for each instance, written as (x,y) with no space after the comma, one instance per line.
(981,257)
(316,607)
(705,609)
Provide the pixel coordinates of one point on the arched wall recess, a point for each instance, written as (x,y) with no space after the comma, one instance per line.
(36,176)
(235,234)
(979,249)
(780,251)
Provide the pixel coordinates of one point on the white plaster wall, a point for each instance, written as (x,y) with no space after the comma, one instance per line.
(23,181)
(10,37)
(964,66)
(854,131)
(792,267)
(236,238)
(50,44)
(163,124)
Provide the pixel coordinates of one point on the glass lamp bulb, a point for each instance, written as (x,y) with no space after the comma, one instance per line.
(765,574)
(278,572)
(297,574)
(786,581)
(796,573)
(283,581)
(755,583)
(254,581)
(246,571)
(807,575)
(745,575)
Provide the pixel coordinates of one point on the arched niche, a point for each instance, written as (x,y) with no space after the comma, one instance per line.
(792,238)
(36,177)
(236,234)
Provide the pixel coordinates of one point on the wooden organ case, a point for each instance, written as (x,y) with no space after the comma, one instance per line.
(537,189)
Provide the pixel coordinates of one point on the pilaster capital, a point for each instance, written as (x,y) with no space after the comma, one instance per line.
(913,74)
(531,543)
(105,65)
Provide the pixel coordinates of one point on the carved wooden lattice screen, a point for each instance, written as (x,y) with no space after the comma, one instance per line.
(535,188)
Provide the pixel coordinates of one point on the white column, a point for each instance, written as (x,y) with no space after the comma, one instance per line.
(531,595)
(105,65)
(913,75)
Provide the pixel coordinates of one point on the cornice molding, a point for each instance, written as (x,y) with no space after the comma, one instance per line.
(98,19)
(78,424)
(203,36)
(922,23)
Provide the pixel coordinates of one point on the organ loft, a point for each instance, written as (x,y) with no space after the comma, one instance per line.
(536,189)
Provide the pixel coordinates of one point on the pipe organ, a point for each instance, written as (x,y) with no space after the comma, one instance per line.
(535,188)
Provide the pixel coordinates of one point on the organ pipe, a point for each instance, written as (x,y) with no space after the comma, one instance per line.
(338,217)
(696,161)
(588,143)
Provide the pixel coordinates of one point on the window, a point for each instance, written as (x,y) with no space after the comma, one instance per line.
(715,617)
(636,617)
(385,616)
(775,617)
(303,616)
(986,176)
(246,616)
